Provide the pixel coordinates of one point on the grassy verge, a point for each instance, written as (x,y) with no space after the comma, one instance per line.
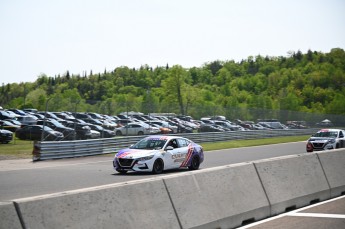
(23,149)
(254,142)
(16,149)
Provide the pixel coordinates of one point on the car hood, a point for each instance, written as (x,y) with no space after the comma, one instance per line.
(5,131)
(320,139)
(53,132)
(134,153)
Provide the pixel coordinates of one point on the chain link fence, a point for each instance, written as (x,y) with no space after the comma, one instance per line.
(230,113)
(292,119)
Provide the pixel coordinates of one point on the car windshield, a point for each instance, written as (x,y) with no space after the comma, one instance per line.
(57,124)
(150,143)
(15,122)
(46,128)
(328,134)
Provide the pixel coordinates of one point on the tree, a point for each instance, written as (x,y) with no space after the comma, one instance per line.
(337,105)
(175,84)
(37,98)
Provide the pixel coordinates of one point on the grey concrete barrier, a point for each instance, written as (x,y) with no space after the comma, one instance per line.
(8,216)
(333,163)
(293,181)
(134,205)
(223,197)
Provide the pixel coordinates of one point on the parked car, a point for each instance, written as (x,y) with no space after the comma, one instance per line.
(5,115)
(158,153)
(95,134)
(163,130)
(6,136)
(8,125)
(18,111)
(27,120)
(32,110)
(164,124)
(68,133)
(83,130)
(180,127)
(34,132)
(105,133)
(227,125)
(49,115)
(81,116)
(326,139)
(64,116)
(210,128)
(135,129)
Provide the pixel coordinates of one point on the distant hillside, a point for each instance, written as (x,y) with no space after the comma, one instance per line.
(308,82)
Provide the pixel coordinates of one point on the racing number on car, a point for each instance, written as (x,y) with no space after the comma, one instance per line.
(179,157)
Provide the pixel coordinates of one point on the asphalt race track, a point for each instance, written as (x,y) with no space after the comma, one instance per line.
(24,178)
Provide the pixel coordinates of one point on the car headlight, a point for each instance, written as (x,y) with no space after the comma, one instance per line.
(145,158)
(332,141)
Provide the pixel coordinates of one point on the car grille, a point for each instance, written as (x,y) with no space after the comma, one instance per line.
(124,162)
(7,136)
(318,145)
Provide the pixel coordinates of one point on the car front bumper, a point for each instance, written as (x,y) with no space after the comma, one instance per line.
(124,164)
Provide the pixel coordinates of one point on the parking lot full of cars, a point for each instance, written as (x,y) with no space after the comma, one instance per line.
(30,124)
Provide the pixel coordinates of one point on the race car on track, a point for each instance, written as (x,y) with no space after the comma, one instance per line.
(158,153)
(326,139)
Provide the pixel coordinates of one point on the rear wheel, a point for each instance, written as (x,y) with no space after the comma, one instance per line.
(194,165)
(158,166)
(140,133)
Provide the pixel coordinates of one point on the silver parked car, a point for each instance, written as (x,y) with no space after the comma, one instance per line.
(136,129)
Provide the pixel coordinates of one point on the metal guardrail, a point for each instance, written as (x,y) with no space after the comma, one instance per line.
(68,149)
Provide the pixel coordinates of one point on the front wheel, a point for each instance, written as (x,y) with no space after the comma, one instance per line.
(121,171)
(158,166)
(119,133)
(194,165)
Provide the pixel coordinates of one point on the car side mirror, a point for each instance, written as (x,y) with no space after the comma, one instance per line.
(169,148)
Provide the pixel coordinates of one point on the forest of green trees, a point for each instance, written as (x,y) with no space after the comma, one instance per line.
(312,82)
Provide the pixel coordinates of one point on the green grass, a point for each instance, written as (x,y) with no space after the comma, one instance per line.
(16,149)
(254,142)
(23,149)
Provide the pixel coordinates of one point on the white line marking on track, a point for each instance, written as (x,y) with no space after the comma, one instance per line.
(318,215)
(50,165)
(295,212)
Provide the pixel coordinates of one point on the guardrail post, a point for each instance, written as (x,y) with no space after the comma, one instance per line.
(36,152)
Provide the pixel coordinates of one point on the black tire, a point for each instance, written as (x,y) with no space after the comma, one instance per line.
(337,146)
(140,133)
(119,133)
(194,165)
(158,166)
(121,171)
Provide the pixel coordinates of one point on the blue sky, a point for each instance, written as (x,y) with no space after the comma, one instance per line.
(51,37)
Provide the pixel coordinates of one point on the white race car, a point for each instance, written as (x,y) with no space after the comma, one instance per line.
(326,139)
(158,153)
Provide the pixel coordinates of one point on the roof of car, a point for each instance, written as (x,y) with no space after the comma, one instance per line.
(329,130)
(165,137)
